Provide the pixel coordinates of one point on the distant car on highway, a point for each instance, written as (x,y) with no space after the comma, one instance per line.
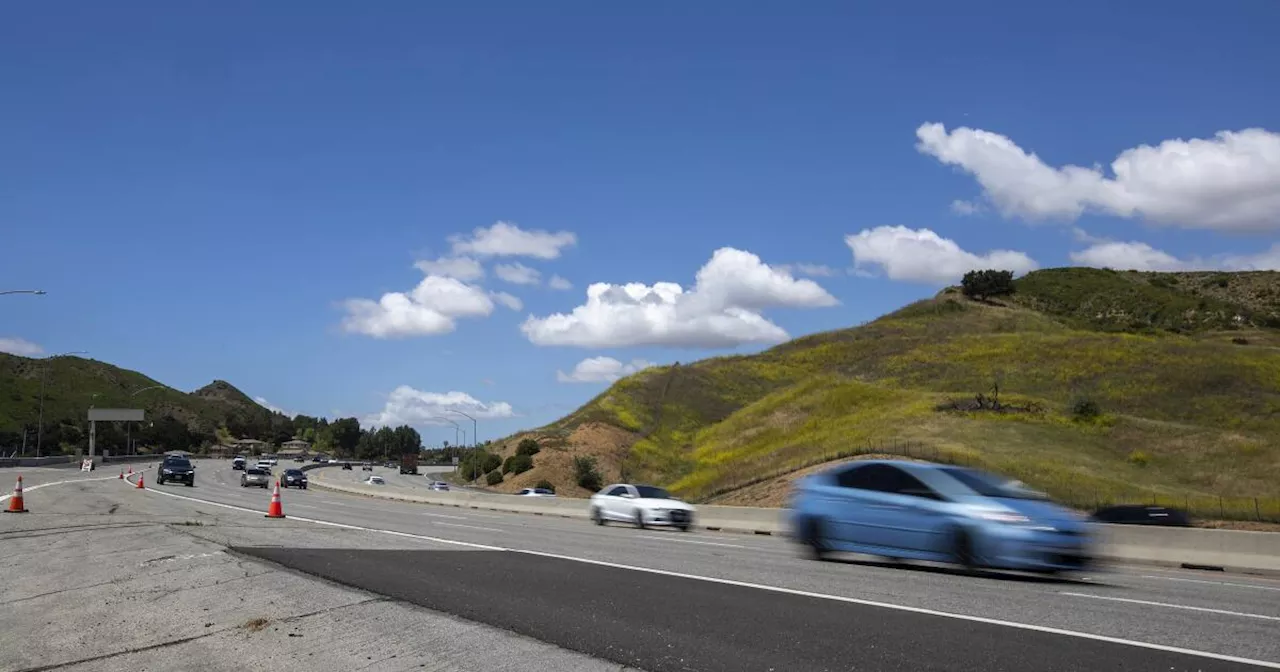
(272,459)
(264,464)
(255,476)
(375,480)
(537,492)
(237,462)
(367,466)
(389,465)
(641,505)
(293,478)
(934,512)
(1138,514)
(346,466)
(177,469)
(439,486)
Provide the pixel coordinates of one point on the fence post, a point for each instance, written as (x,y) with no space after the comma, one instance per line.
(1256,510)
(1221,512)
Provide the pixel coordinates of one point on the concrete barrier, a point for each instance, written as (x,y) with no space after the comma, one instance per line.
(1228,550)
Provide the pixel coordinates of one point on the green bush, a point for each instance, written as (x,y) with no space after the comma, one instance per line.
(493,478)
(1139,458)
(528,447)
(518,464)
(491,462)
(1084,408)
(585,472)
(986,284)
(546,485)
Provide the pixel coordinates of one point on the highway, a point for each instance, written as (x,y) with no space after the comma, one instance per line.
(660,600)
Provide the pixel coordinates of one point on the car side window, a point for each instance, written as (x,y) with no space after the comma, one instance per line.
(903,483)
(618,491)
(864,477)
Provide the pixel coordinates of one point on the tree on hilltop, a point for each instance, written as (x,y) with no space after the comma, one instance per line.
(983,285)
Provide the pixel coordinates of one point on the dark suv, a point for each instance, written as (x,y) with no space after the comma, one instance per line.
(177,469)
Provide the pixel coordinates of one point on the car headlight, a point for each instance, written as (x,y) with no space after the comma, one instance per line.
(1003,517)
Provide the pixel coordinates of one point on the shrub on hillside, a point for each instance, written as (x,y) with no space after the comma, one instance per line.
(491,462)
(1084,408)
(528,447)
(545,485)
(982,285)
(585,472)
(517,464)
(493,478)
(1139,458)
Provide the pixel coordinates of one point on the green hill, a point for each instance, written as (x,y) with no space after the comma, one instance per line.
(1108,386)
(73,384)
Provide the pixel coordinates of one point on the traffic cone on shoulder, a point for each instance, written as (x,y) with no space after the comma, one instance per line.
(140,486)
(15,502)
(130,471)
(122,474)
(275,510)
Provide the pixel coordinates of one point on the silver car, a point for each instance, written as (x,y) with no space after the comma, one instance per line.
(257,477)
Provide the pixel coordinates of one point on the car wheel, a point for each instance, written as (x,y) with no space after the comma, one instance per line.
(962,548)
(596,516)
(191,484)
(684,528)
(159,481)
(813,539)
(639,519)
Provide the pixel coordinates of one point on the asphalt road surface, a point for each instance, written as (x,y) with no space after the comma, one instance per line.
(655,598)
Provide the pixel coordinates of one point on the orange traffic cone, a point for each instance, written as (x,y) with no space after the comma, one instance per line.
(15,502)
(122,473)
(130,471)
(140,486)
(275,510)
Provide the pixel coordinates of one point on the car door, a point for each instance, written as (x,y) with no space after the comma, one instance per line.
(850,508)
(912,516)
(614,501)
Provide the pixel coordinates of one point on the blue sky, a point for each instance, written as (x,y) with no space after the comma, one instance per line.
(231,189)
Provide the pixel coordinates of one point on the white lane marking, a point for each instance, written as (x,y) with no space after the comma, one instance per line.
(779,589)
(29,488)
(472,527)
(1173,606)
(689,541)
(1250,586)
(441,515)
(345,526)
(1183,573)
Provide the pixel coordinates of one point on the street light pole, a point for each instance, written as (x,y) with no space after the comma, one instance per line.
(475,433)
(44,373)
(128,426)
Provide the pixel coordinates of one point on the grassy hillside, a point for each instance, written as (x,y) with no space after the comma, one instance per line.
(1183,369)
(73,384)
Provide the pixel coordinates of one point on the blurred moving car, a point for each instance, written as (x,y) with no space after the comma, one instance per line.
(1138,514)
(537,492)
(375,480)
(641,505)
(367,466)
(293,478)
(935,512)
(439,486)
(264,464)
(177,469)
(255,476)
(238,463)
(346,466)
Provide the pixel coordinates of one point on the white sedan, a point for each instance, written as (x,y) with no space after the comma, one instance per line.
(640,505)
(537,492)
(375,480)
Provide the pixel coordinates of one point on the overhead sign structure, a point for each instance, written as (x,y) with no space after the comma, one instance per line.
(97,415)
(115,415)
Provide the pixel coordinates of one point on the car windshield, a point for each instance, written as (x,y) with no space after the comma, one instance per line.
(177,464)
(650,492)
(991,485)
(256,472)
(294,472)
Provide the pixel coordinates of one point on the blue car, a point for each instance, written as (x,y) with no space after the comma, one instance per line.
(939,513)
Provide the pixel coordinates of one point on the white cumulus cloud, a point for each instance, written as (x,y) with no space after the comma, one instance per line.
(408,406)
(601,370)
(505,239)
(723,309)
(920,255)
(512,302)
(557,282)
(21,347)
(1228,182)
(271,407)
(811,270)
(462,268)
(517,273)
(432,308)
(1137,256)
